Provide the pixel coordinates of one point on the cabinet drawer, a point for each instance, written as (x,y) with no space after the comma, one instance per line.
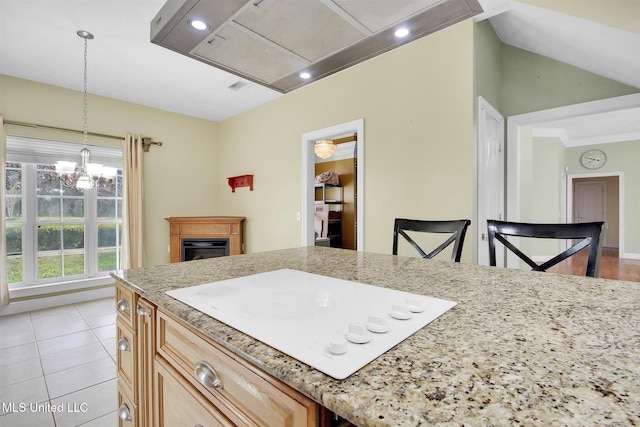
(179,404)
(246,395)
(126,305)
(126,357)
(127,410)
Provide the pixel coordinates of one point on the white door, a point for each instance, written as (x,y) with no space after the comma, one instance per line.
(490,176)
(589,201)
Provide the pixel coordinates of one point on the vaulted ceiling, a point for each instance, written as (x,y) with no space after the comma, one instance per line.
(38,42)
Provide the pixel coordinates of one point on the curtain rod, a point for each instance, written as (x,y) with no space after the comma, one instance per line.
(146,141)
(34,125)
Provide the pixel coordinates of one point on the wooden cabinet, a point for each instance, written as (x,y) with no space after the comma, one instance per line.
(135,339)
(180,404)
(243,393)
(169,375)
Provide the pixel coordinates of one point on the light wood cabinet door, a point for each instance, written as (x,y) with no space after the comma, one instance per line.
(126,305)
(246,395)
(179,404)
(127,409)
(126,352)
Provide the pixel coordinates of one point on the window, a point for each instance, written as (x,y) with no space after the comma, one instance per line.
(58,234)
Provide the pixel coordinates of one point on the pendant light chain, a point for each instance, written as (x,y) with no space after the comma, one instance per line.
(85,92)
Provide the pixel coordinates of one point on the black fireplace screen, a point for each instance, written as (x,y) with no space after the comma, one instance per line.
(202,248)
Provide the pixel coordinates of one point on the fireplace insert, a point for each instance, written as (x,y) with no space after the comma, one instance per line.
(202,248)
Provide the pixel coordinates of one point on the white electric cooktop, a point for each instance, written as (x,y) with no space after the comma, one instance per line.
(336,326)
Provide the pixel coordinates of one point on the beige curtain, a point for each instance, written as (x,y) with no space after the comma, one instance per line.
(4,262)
(132,215)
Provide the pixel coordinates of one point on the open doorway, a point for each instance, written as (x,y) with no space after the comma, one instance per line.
(598,197)
(335,217)
(353,130)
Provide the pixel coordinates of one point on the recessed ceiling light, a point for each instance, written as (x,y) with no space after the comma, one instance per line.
(199,25)
(305,75)
(402,32)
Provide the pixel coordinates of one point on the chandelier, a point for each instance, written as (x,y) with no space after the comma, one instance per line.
(324,148)
(87,175)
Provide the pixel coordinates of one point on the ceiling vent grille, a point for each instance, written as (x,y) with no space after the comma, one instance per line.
(237,85)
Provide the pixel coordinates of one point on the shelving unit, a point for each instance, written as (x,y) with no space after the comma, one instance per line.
(329,199)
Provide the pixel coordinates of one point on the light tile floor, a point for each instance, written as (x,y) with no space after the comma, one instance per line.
(57,366)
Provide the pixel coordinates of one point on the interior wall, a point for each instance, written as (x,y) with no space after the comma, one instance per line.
(417,106)
(532,82)
(622,157)
(346,171)
(180,178)
(487,64)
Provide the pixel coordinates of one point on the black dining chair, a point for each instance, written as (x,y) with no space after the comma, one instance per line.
(457,229)
(587,233)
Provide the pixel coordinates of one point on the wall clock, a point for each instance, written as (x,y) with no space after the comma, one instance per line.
(593,159)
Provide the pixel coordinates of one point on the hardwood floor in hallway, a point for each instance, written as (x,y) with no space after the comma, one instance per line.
(611,266)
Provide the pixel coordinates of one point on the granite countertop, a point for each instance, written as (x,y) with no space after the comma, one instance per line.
(519,348)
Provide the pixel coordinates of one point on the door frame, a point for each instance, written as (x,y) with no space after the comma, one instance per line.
(486,110)
(514,123)
(570,195)
(308,177)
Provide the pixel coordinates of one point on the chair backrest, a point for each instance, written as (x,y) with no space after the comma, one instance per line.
(590,234)
(457,229)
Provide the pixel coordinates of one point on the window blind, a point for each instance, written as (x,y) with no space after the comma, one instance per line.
(43,151)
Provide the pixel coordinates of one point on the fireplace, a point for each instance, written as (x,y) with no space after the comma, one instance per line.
(204,237)
(202,248)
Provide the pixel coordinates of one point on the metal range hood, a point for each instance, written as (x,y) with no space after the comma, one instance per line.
(271,42)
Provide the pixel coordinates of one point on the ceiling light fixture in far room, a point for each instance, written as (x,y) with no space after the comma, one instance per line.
(88,174)
(324,148)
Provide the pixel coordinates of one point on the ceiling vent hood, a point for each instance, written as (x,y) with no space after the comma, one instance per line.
(275,42)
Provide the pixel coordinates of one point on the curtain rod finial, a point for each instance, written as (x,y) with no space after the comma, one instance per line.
(148,142)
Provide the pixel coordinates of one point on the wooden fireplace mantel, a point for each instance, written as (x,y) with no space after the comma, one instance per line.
(229,227)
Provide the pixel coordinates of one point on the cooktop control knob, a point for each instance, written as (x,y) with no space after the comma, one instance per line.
(358,333)
(378,323)
(415,305)
(338,345)
(400,312)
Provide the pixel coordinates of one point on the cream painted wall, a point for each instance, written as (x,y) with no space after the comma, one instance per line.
(417,106)
(180,177)
(621,14)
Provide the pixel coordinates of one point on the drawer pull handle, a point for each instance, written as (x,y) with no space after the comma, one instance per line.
(124,413)
(143,312)
(207,376)
(123,305)
(123,344)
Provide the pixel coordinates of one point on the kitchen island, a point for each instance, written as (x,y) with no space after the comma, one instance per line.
(519,348)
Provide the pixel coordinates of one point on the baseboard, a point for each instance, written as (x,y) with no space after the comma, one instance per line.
(629,255)
(22,306)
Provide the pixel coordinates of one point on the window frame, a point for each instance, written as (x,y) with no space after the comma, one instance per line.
(30,152)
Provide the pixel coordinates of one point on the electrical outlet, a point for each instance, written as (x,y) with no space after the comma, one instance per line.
(298,216)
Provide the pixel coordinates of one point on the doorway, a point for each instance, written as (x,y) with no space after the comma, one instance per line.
(356,128)
(597,197)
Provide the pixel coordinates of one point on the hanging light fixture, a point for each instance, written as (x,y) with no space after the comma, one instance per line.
(87,175)
(324,148)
